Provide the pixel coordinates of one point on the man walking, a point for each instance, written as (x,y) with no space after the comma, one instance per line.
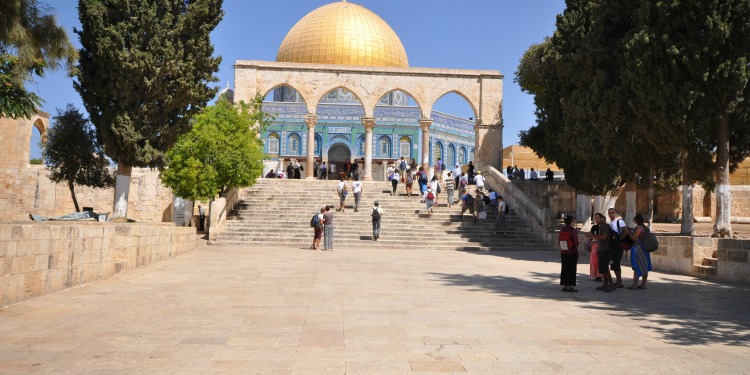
(342,191)
(618,225)
(328,229)
(357,190)
(377,215)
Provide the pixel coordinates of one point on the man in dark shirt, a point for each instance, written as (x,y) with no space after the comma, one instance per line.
(605,253)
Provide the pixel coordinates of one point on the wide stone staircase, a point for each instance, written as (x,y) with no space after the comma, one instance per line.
(277,213)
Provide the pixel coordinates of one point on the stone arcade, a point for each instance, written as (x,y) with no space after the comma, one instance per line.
(341,88)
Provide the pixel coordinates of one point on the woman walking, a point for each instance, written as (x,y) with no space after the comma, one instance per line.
(594,255)
(640,259)
(568,239)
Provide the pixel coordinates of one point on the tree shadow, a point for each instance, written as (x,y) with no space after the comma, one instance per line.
(682,313)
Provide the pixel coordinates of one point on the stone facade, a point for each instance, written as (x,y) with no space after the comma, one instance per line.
(482,89)
(44,257)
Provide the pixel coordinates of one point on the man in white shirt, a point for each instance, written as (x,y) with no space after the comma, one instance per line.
(357,190)
(342,190)
(533,176)
(332,170)
(618,225)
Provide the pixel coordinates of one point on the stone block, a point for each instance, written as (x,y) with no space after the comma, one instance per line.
(737,256)
(40,232)
(90,272)
(22,264)
(8,248)
(4,290)
(4,265)
(41,262)
(21,232)
(6,233)
(58,279)
(34,284)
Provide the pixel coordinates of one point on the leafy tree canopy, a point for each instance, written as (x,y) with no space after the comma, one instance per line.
(73,155)
(143,72)
(30,42)
(223,149)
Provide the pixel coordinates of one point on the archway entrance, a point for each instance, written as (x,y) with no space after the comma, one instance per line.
(338,154)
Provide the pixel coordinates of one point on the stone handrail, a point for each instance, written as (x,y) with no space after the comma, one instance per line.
(536,217)
(221,205)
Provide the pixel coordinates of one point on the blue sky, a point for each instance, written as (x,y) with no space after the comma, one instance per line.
(471,34)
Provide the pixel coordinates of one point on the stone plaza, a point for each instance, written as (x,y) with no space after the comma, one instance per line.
(251,310)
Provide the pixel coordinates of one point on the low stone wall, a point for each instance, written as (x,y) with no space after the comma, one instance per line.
(38,258)
(734,260)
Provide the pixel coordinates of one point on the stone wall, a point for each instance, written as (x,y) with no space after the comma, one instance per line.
(733,260)
(38,258)
(561,199)
(28,190)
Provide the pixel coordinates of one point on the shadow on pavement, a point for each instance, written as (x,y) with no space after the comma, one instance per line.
(684,313)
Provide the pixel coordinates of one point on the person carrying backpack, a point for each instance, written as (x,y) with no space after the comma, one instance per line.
(640,259)
(317,224)
(377,215)
(467,203)
(618,226)
(568,239)
(429,200)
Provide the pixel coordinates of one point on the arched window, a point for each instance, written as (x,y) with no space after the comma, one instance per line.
(273,143)
(405,148)
(384,147)
(450,159)
(294,144)
(318,145)
(462,156)
(438,152)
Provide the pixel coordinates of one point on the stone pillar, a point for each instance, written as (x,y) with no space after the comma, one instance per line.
(488,146)
(311,120)
(425,123)
(369,124)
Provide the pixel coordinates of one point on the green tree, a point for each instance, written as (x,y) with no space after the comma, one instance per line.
(222,150)
(73,155)
(30,42)
(143,72)
(688,67)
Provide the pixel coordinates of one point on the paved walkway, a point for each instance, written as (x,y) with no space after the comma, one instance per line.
(236,310)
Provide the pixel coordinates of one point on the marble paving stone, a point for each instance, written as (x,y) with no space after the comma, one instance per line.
(255,310)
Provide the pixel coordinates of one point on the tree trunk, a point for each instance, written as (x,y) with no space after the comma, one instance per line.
(122,189)
(723,227)
(583,211)
(630,200)
(650,197)
(73,195)
(687,227)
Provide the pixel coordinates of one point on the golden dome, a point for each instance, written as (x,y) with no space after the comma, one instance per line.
(343,33)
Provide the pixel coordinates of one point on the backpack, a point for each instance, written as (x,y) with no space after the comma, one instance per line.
(375,214)
(469,200)
(650,242)
(438,189)
(315,221)
(567,240)
(430,196)
(487,200)
(613,240)
(409,179)
(463,183)
(402,166)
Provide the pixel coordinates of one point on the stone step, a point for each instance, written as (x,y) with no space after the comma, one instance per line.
(383,243)
(705,270)
(711,262)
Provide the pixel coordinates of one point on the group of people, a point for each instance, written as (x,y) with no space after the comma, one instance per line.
(514,172)
(323,226)
(605,260)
